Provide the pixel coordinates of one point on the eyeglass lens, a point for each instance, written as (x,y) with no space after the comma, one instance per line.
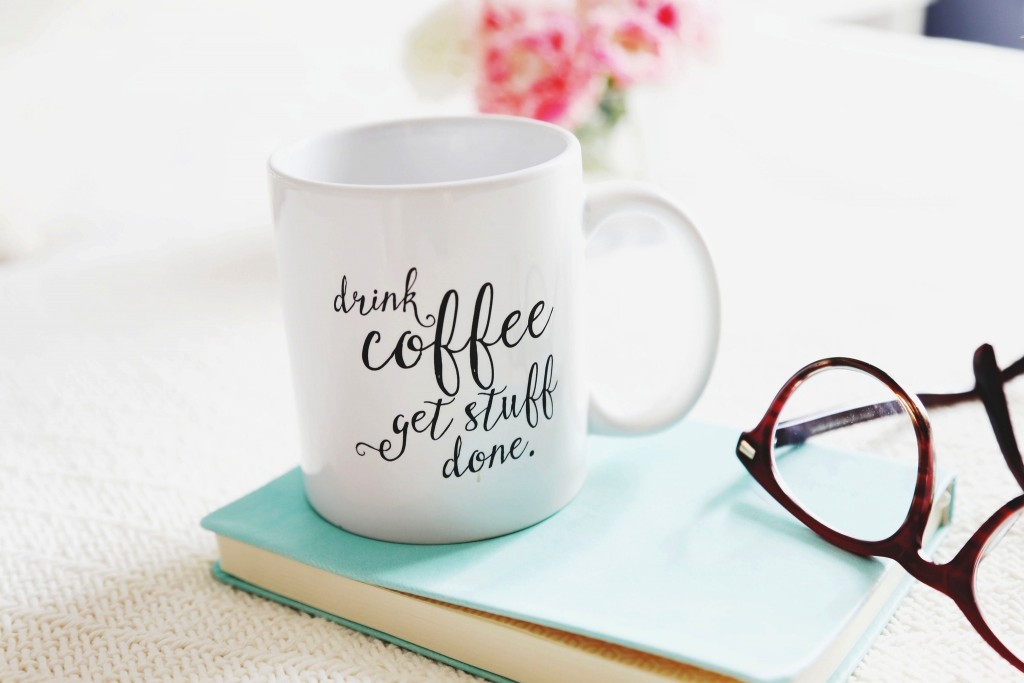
(873,463)
(999,584)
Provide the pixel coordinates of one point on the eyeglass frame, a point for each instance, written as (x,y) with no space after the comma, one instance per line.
(955,578)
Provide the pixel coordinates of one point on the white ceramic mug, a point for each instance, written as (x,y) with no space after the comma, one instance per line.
(431,273)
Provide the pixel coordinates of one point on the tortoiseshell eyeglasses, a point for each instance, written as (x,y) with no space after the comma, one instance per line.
(803,443)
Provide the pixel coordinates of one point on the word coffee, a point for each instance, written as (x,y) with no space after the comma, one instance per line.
(432,338)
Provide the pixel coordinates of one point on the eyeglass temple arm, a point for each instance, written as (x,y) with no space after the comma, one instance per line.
(797,431)
(990,388)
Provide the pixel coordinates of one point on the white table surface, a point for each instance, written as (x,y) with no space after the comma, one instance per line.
(860,192)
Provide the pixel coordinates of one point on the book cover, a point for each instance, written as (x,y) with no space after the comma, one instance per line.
(670,549)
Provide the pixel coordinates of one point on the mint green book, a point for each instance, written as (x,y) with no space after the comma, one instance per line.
(671,564)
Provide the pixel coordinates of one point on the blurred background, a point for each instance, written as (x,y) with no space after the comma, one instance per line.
(119,120)
(832,127)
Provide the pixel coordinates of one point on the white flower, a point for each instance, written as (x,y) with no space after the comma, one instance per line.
(439,54)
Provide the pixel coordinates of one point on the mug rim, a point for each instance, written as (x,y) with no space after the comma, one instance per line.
(276,161)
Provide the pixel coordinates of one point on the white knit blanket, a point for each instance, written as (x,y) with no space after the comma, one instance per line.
(143,391)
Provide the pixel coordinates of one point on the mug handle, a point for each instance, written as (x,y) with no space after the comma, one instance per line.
(614,198)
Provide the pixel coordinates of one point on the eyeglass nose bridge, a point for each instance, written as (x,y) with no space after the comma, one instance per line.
(945,578)
(955,578)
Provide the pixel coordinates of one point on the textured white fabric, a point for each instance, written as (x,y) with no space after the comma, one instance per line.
(860,194)
(136,398)
(143,391)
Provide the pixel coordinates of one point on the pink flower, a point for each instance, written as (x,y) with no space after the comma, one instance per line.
(555,63)
(536,63)
(635,40)
(667,15)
